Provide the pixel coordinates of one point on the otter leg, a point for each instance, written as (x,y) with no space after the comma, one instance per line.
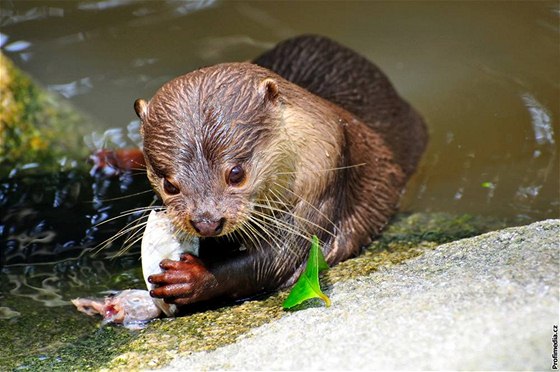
(192,279)
(114,162)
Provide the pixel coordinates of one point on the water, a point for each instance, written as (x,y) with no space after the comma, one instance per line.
(483,74)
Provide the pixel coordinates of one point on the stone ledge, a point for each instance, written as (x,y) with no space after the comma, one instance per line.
(487,302)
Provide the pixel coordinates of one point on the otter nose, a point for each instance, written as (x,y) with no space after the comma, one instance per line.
(207,227)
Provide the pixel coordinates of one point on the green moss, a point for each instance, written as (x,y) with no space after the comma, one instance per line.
(35,126)
(44,332)
(55,337)
(436,227)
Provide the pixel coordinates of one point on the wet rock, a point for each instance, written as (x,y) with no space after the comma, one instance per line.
(38,130)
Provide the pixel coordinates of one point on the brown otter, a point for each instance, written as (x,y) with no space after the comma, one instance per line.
(309,139)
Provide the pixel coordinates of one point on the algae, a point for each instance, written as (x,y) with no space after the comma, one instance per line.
(41,330)
(37,127)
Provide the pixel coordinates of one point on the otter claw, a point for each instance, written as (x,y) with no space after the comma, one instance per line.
(165,263)
(186,257)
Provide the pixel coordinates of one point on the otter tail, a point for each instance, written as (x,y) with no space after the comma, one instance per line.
(349,80)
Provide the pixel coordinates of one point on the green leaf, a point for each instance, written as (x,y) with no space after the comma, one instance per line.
(307,285)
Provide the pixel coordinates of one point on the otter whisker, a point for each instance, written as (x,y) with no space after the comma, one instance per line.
(130,212)
(274,239)
(138,235)
(312,206)
(133,226)
(278,224)
(248,237)
(123,231)
(286,227)
(300,218)
(133,238)
(325,169)
(141,169)
(285,242)
(136,224)
(275,242)
(256,230)
(125,196)
(255,234)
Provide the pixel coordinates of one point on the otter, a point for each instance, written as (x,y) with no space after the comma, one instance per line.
(254,158)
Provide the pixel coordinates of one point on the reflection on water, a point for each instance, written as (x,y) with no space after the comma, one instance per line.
(57,230)
(484,75)
(69,90)
(541,120)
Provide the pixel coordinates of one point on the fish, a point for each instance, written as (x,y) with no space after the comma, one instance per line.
(133,308)
(160,242)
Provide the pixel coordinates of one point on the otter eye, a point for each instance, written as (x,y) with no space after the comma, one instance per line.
(170,188)
(236,175)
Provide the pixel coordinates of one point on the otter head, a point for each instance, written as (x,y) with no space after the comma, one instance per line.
(211,144)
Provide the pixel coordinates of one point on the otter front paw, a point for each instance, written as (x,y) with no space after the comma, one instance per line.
(183,282)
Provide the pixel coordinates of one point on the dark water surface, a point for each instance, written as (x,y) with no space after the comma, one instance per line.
(483,74)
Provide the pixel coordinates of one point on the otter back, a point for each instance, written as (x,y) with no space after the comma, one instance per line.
(342,76)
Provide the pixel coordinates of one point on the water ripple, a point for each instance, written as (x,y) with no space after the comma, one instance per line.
(73,88)
(541,120)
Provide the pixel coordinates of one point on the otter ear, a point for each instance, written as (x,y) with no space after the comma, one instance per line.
(141,108)
(269,89)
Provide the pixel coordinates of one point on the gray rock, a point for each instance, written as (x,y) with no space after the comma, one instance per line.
(487,302)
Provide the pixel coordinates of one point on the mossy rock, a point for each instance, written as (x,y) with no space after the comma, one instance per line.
(36,126)
(114,348)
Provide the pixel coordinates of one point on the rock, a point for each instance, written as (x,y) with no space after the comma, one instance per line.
(488,302)
(38,129)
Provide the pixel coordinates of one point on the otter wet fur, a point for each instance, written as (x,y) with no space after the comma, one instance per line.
(256,158)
